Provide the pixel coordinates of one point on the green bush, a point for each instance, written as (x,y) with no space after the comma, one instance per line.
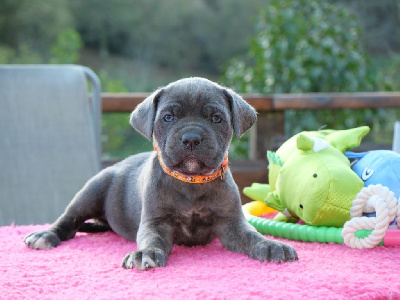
(302,46)
(307,46)
(119,139)
(66,48)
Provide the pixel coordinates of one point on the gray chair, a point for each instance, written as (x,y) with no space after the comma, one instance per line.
(49,139)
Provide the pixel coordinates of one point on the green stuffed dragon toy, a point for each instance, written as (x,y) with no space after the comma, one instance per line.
(311,179)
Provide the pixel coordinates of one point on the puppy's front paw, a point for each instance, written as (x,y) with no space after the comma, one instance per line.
(145,259)
(273,251)
(42,240)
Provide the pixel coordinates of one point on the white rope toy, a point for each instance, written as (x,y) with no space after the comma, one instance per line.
(374,198)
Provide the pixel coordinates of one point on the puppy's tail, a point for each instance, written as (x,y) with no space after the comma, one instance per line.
(95,226)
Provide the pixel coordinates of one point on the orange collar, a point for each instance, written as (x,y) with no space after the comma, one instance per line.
(197,178)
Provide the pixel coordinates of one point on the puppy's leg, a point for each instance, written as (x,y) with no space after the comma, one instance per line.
(154,245)
(239,236)
(88,203)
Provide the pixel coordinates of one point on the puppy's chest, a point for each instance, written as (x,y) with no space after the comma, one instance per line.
(194,226)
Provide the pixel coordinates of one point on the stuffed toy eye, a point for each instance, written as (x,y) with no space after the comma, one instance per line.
(301,206)
(315,175)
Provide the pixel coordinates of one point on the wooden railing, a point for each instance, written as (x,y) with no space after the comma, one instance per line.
(125,102)
(270,122)
(270,108)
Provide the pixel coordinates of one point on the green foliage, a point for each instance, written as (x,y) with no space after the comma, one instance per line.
(307,46)
(66,48)
(6,54)
(387,67)
(119,139)
(380,21)
(239,149)
(25,55)
(33,25)
(174,34)
(32,33)
(303,46)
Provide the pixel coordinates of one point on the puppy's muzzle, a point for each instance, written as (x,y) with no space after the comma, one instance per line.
(191,140)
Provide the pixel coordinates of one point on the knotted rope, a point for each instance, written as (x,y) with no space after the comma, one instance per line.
(374,198)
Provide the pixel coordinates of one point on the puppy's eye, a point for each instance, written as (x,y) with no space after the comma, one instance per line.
(168,118)
(216,119)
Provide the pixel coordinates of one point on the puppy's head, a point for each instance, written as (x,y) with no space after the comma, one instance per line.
(192,121)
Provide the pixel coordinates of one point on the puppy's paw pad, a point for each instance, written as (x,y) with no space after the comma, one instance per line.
(42,240)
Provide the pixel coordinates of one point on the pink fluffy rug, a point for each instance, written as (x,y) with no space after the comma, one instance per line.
(89,267)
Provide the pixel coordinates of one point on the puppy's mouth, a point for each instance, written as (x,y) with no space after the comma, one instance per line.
(192,166)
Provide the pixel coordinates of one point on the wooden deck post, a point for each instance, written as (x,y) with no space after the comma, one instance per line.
(269,125)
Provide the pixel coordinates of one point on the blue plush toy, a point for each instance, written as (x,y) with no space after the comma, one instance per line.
(376,207)
(378,167)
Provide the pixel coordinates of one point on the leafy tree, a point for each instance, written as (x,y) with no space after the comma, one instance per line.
(176,34)
(303,46)
(66,48)
(31,32)
(306,46)
(25,55)
(119,139)
(381,20)
(33,25)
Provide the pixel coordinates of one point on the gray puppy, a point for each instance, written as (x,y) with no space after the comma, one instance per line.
(183,193)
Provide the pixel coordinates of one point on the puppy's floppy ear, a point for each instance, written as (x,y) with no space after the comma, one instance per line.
(142,118)
(243,114)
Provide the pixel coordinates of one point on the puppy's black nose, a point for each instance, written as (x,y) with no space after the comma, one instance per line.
(191,140)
